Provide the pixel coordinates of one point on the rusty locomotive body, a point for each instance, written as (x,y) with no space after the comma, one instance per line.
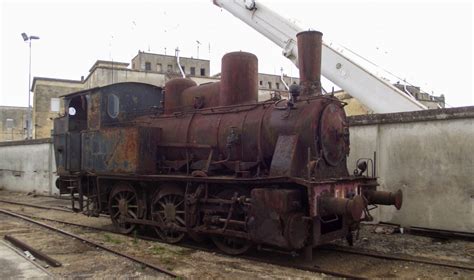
(210,161)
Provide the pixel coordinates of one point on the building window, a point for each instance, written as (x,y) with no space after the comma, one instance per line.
(193,71)
(55,104)
(203,71)
(170,68)
(9,123)
(261,83)
(113,106)
(270,85)
(277,85)
(147,66)
(159,68)
(182,67)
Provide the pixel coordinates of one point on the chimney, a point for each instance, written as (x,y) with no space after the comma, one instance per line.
(309,60)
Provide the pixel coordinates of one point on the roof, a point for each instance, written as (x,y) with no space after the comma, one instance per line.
(13,108)
(158,54)
(109,63)
(54,80)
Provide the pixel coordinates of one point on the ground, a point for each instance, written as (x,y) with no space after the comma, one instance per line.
(81,260)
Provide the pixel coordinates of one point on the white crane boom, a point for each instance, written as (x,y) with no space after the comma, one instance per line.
(372,91)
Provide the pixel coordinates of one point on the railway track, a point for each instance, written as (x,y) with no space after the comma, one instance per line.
(334,248)
(90,242)
(187,245)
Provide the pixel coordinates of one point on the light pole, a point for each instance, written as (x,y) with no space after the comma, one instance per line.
(28,39)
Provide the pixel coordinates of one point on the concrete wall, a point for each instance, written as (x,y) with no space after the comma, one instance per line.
(429,156)
(27,166)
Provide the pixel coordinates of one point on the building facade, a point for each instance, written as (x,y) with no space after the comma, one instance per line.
(13,123)
(167,64)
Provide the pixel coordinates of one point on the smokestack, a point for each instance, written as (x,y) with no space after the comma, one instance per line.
(309,61)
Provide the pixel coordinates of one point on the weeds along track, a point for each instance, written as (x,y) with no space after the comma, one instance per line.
(204,247)
(34,220)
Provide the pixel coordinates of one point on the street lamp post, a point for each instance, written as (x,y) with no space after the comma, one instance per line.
(28,39)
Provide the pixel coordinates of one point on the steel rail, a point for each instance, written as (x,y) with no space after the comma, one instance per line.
(90,242)
(404,258)
(35,206)
(35,252)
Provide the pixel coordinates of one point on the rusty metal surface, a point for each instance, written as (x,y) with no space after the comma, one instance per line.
(121,150)
(173,93)
(284,161)
(202,96)
(239,79)
(334,134)
(73,145)
(257,128)
(35,252)
(309,61)
(385,198)
(353,207)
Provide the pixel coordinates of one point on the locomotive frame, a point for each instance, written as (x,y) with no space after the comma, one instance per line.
(210,161)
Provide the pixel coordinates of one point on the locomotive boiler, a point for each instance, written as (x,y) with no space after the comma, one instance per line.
(210,161)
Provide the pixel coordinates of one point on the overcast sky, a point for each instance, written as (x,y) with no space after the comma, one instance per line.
(428,43)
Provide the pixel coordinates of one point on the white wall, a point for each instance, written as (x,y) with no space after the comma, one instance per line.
(431,161)
(27,166)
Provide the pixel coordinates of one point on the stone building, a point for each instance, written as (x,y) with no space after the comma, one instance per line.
(47,103)
(430,101)
(167,64)
(269,85)
(13,123)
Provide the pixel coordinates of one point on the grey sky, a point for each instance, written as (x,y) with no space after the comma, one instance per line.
(429,43)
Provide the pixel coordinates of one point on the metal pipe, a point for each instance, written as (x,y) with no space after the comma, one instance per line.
(343,206)
(385,198)
(179,65)
(282,80)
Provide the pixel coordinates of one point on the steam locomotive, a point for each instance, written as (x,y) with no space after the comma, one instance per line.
(209,161)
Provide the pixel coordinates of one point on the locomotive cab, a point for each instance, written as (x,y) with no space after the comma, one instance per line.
(86,114)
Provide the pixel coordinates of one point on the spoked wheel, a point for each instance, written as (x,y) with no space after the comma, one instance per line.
(123,203)
(168,209)
(232,245)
